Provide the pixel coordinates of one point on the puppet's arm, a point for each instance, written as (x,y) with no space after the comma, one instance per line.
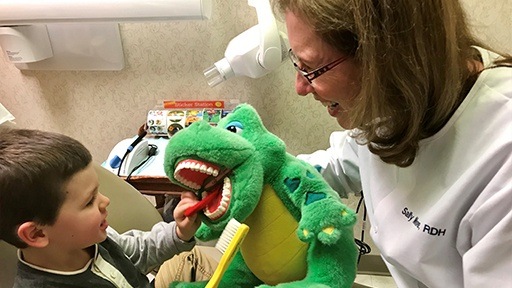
(322,214)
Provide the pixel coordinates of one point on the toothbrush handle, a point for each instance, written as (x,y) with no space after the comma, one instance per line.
(199,206)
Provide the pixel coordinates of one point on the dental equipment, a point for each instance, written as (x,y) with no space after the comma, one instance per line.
(253,53)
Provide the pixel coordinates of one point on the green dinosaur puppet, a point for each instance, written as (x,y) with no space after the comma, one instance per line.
(300,233)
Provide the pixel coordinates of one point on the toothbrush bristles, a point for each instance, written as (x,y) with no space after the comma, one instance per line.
(227,235)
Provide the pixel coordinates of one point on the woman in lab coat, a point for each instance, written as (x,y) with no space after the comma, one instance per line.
(428,113)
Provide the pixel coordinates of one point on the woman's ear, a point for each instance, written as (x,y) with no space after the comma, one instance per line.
(32,234)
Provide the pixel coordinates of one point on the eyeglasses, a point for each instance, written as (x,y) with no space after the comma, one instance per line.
(310,76)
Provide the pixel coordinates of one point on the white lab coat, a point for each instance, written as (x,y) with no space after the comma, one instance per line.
(446,220)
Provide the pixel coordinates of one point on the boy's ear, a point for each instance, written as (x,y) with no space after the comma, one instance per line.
(32,234)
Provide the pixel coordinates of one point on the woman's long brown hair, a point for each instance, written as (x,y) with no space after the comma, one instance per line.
(415,65)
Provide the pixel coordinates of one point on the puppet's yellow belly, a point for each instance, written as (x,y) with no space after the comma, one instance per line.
(271,249)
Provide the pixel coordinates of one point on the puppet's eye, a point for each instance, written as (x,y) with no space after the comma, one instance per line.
(235,127)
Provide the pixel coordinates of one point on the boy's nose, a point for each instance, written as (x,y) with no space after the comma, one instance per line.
(104,201)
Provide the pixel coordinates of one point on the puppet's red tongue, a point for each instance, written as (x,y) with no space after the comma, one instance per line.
(212,195)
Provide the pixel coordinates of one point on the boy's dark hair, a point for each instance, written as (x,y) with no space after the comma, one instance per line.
(34,169)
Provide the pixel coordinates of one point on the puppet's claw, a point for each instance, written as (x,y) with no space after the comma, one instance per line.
(324,220)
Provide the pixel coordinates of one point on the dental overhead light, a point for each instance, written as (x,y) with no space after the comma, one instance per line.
(253,53)
(80,35)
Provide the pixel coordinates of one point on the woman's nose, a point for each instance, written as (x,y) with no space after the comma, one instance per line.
(302,85)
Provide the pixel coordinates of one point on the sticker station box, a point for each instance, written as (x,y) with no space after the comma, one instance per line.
(177,115)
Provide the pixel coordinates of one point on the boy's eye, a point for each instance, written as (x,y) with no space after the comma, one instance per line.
(91,201)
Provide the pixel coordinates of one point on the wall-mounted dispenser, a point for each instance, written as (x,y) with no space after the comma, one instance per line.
(253,53)
(83,35)
(25,44)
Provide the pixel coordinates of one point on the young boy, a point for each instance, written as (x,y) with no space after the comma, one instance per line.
(50,209)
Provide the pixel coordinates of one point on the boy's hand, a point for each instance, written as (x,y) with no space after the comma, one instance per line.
(186,227)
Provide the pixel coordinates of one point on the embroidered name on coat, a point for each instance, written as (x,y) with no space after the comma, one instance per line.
(425,228)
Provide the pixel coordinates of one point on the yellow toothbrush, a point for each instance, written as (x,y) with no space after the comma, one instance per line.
(228,245)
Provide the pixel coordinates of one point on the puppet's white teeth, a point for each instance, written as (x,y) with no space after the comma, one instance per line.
(185,182)
(191,184)
(224,203)
(227,183)
(209,171)
(226,194)
(196,166)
